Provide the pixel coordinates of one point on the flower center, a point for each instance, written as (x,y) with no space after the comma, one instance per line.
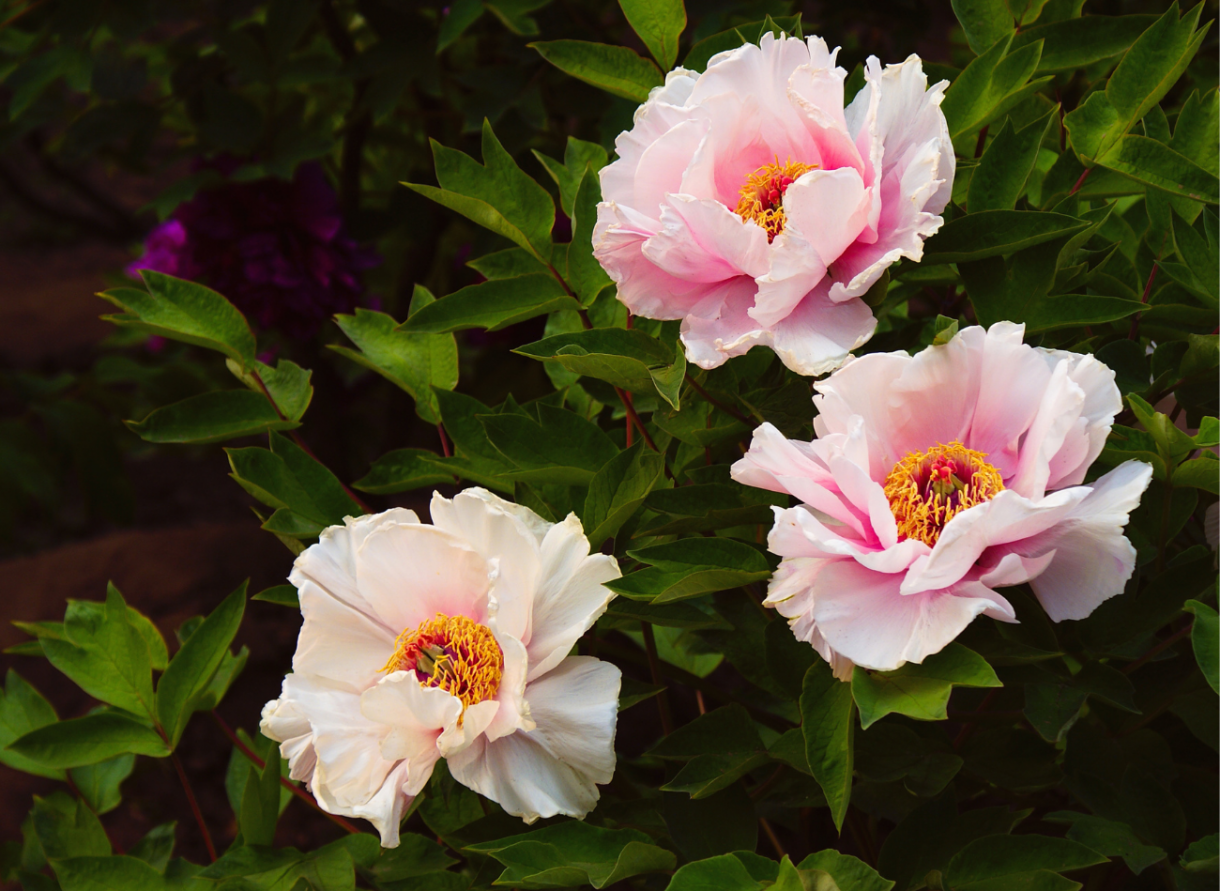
(762,196)
(927,489)
(454,653)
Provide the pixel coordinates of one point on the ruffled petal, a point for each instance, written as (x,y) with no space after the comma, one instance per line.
(416,716)
(703,241)
(719,326)
(339,643)
(819,334)
(575,707)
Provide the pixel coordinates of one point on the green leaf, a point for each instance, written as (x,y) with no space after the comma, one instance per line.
(287,383)
(574,853)
(751,32)
(99,783)
(577,155)
(720,748)
(1202,856)
(1081,42)
(706,827)
(701,507)
(560,447)
(999,180)
(492,305)
(284,595)
(1159,166)
(156,847)
(88,740)
(286,477)
(585,274)
(330,868)
(630,359)
(194,665)
(211,417)
(920,691)
(462,14)
(618,490)
(659,23)
(993,233)
(22,709)
(828,721)
(1109,837)
(404,469)
(108,874)
(104,654)
(186,311)
(414,362)
(848,872)
(1147,72)
(67,828)
(615,69)
(987,88)
(723,873)
(986,22)
(1205,638)
(496,194)
(508,263)
(1008,856)
(260,804)
(414,856)
(691,567)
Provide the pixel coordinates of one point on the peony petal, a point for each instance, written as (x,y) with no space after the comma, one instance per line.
(411,573)
(575,707)
(506,536)
(719,327)
(818,335)
(1092,559)
(863,616)
(384,809)
(339,643)
(513,712)
(704,241)
(663,164)
(572,595)
(520,775)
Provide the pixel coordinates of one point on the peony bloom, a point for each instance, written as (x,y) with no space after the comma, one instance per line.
(449,641)
(748,202)
(934,480)
(276,249)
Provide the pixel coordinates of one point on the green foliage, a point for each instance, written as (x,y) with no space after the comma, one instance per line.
(615,69)
(919,691)
(828,721)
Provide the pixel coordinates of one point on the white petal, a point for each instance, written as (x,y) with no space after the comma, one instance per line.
(416,715)
(575,707)
(818,335)
(339,643)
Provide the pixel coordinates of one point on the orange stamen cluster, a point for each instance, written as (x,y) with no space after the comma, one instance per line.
(454,653)
(762,196)
(927,489)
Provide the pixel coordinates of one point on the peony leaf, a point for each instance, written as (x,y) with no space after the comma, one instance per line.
(88,740)
(66,827)
(625,358)
(828,721)
(999,179)
(986,22)
(560,447)
(22,709)
(1205,639)
(618,490)
(404,469)
(492,305)
(461,14)
(288,479)
(703,507)
(414,362)
(196,662)
(260,803)
(1109,837)
(102,873)
(1159,166)
(1002,861)
(615,69)
(211,417)
(707,827)
(99,783)
(849,873)
(727,872)
(919,691)
(751,32)
(691,567)
(577,156)
(987,88)
(185,311)
(659,23)
(994,233)
(1080,42)
(585,275)
(574,853)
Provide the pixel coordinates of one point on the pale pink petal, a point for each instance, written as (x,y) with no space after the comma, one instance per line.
(339,643)
(790,591)
(572,596)
(862,615)
(719,327)
(1061,405)
(1092,558)
(520,775)
(285,721)
(575,707)
(818,335)
(384,809)
(1102,401)
(410,574)
(663,164)
(817,90)
(705,242)
(511,713)
(798,533)
(415,716)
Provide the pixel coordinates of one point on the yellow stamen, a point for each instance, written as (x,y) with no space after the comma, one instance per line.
(454,653)
(927,489)
(762,196)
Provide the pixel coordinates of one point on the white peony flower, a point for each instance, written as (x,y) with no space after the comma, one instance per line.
(449,640)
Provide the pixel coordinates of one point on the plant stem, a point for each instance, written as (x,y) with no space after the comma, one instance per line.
(634,418)
(1080,182)
(287,784)
(1159,648)
(1134,332)
(717,403)
(190,797)
(654,668)
(774,839)
(440,429)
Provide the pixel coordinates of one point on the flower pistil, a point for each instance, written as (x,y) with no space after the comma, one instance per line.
(454,653)
(762,196)
(927,489)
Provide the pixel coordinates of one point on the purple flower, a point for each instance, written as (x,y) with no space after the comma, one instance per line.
(276,249)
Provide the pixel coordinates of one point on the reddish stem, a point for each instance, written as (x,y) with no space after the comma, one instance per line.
(635,418)
(717,403)
(440,429)
(287,784)
(190,797)
(1134,332)
(654,669)
(1080,182)
(1159,648)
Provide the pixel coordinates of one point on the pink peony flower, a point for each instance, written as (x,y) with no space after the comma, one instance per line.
(934,480)
(748,202)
